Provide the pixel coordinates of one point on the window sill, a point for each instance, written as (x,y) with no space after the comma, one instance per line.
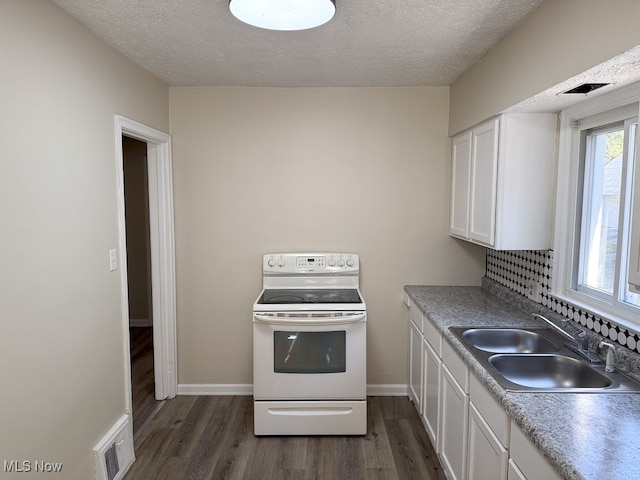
(599,316)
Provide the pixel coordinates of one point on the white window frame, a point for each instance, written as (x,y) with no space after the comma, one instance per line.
(596,111)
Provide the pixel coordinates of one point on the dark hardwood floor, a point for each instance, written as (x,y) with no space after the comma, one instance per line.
(142,383)
(211,438)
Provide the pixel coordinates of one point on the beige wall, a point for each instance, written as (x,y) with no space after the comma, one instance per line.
(61,333)
(558,41)
(259,170)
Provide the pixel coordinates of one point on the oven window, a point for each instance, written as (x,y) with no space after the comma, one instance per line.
(309,352)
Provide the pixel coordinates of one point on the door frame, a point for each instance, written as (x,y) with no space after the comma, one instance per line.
(162,243)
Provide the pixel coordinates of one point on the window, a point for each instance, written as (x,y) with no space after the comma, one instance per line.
(607,159)
(592,245)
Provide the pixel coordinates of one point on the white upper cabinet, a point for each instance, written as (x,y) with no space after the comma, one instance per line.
(460,186)
(502,182)
(484,172)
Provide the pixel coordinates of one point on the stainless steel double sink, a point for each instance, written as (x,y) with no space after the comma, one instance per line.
(538,360)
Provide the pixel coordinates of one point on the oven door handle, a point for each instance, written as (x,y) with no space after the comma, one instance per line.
(360,317)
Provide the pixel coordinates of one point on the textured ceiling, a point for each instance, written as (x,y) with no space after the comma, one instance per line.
(618,71)
(367,43)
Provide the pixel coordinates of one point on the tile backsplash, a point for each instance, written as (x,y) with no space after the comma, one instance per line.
(513,269)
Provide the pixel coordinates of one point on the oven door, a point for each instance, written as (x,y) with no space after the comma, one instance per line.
(309,356)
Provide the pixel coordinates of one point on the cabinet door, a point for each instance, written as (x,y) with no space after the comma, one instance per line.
(484,175)
(415,366)
(487,456)
(460,186)
(454,415)
(431,392)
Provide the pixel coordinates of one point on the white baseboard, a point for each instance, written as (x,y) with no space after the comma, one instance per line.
(215,389)
(387,390)
(140,322)
(380,390)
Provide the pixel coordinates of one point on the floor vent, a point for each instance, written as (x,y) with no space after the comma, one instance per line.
(111,462)
(114,453)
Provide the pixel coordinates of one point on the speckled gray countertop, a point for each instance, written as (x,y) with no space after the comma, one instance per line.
(585,436)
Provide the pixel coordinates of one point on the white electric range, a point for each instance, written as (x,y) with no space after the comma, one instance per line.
(309,346)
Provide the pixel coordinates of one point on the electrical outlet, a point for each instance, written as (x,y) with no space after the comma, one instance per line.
(533,290)
(113,260)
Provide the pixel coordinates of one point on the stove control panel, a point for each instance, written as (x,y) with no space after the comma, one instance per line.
(311,262)
(319,263)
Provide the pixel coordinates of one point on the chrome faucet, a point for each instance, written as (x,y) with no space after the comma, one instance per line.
(560,330)
(579,342)
(610,363)
(580,339)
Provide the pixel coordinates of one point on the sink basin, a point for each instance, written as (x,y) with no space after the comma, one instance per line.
(509,340)
(537,359)
(548,371)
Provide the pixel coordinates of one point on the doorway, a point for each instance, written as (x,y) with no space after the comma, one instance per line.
(157,258)
(136,200)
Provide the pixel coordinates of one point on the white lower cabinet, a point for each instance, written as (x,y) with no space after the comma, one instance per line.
(454,411)
(487,457)
(489,433)
(415,365)
(526,461)
(470,431)
(454,414)
(425,344)
(431,369)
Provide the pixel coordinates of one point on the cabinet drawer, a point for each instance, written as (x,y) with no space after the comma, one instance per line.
(490,410)
(432,335)
(456,366)
(528,458)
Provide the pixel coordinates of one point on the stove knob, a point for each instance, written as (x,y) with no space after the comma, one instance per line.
(281,262)
(340,262)
(350,262)
(271,262)
(332,261)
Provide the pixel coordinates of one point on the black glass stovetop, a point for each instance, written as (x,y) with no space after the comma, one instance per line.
(308,295)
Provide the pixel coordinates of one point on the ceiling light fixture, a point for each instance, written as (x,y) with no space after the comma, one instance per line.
(283,14)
